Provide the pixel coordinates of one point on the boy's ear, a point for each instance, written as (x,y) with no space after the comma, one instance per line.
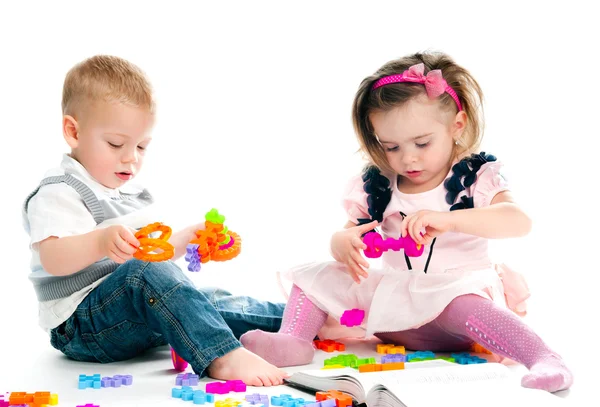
(70,131)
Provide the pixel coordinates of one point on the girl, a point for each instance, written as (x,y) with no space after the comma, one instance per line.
(418,120)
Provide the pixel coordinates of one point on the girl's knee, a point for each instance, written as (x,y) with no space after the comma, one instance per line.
(466,300)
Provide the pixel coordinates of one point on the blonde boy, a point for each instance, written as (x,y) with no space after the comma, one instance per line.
(97,302)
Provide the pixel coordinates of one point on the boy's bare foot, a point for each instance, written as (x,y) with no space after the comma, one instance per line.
(241,364)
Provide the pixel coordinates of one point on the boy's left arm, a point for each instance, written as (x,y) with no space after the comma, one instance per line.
(180,239)
(503,218)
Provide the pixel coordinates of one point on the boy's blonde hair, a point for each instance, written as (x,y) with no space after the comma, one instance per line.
(368,101)
(108,78)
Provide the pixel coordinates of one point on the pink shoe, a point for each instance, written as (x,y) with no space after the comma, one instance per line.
(178,363)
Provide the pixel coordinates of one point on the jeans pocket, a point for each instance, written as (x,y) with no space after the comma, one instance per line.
(123,341)
(58,336)
(68,339)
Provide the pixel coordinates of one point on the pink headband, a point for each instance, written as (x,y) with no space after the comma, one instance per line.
(435,84)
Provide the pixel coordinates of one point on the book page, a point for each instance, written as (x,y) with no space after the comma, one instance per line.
(347,380)
(491,384)
(446,375)
(434,382)
(351,381)
(488,393)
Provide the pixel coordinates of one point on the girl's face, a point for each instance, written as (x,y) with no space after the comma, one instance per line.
(418,139)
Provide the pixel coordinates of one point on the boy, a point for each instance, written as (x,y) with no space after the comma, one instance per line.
(97,302)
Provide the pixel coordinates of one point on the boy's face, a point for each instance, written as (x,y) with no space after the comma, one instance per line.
(110,140)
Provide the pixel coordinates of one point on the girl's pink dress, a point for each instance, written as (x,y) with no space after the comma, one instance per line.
(395,298)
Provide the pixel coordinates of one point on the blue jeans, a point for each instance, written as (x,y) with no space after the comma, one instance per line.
(143,305)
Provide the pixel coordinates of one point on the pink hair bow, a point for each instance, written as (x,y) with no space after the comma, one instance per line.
(434,82)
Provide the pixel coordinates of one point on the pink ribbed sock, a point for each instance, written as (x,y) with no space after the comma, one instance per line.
(292,345)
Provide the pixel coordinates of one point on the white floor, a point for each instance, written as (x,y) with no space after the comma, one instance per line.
(45,369)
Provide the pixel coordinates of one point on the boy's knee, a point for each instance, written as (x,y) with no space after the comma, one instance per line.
(161,276)
(214,293)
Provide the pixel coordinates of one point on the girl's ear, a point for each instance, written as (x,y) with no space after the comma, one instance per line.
(459,125)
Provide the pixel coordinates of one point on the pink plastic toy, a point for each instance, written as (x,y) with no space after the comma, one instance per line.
(178,363)
(352,317)
(237,386)
(376,245)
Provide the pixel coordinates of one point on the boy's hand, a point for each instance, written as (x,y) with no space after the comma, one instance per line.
(118,243)
(346,246)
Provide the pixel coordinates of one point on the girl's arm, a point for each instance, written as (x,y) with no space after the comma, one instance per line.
(502,219)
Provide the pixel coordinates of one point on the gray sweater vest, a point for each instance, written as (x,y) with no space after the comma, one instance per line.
(49,287)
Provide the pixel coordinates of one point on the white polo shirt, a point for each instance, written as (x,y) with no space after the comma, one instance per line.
(59,210)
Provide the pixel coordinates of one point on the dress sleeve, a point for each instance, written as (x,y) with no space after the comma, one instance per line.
(354,200)
(489,183)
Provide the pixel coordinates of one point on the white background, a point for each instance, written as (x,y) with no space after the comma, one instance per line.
(254,119)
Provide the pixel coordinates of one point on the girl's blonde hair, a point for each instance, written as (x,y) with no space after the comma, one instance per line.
(390,96)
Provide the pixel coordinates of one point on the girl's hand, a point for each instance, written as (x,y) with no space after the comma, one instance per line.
(434,223)
(346,246)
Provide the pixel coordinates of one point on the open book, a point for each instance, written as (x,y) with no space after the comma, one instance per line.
(428,383)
